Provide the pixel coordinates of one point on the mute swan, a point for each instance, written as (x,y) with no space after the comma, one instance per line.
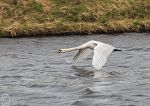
(101,52)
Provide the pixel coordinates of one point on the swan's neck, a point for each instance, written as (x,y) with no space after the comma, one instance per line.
(69,49)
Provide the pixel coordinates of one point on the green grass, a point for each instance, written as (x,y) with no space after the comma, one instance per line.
(30,17)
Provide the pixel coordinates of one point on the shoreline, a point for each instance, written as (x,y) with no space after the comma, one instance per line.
(48,34)
(69,29)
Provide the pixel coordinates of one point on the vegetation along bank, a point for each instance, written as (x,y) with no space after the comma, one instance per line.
(19,18)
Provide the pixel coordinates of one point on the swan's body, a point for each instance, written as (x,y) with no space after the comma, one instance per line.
(101,52)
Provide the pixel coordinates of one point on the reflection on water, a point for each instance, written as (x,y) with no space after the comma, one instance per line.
(83,72)
(33,74)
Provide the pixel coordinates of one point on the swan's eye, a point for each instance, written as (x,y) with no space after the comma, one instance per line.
(59,51)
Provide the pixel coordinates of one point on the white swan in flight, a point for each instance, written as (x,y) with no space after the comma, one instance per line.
(101,52)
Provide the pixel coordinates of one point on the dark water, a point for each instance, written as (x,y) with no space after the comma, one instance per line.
(33,74)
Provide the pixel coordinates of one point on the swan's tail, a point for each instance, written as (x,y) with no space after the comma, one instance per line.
(116,49)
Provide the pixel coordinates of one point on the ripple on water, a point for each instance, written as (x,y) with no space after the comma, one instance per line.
(20,105)
(135,49)
(80,103)
(87,91)
(34,75)
(38,86)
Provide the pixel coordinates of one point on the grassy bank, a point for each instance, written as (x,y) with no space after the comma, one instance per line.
(49,17)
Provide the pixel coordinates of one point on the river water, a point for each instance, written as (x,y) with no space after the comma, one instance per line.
(33,74)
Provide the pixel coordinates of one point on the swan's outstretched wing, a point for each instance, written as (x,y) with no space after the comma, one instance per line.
(82,53)
(101,53)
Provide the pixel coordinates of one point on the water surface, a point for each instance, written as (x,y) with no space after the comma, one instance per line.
(33,74)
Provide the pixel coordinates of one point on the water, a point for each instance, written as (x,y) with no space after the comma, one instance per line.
(33,74)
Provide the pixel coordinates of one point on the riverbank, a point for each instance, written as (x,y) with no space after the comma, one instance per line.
(24,18)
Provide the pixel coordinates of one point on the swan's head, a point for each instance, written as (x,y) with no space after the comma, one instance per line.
(61,51)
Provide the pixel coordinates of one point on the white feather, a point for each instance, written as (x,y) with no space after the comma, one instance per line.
(82,53)
(101,53)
